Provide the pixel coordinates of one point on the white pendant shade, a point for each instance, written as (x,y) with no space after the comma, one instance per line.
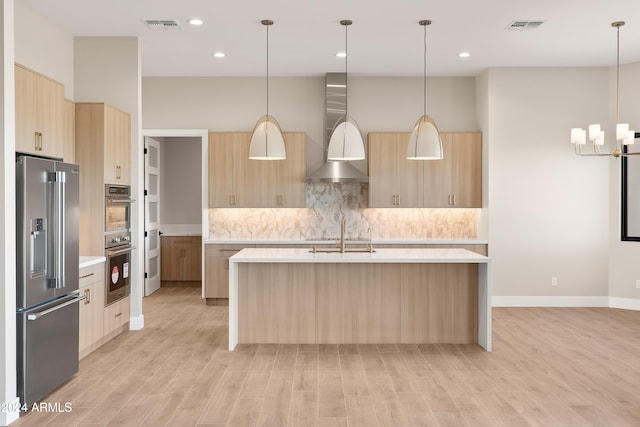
(267,141)
(346,142)
(424,142)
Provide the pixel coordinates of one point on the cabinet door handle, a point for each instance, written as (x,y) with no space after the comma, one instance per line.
(118,315)
(87,275)
(87,295)
(37,141)
(398,197)
(453,200)
(234,200)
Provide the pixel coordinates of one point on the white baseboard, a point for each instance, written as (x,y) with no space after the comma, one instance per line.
(549,301)
(11,415)
(625,303)
(136,323)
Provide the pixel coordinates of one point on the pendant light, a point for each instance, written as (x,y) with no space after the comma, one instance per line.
(346,141)
(424,142)
(267,141)
(624,136)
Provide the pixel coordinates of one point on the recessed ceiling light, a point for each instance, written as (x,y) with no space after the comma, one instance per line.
(464,55)
(341,54)
(195,21)
(219,54)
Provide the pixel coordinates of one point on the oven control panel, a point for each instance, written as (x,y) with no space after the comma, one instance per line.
(117,239)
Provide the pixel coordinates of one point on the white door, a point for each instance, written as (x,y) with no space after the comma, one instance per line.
(152,215)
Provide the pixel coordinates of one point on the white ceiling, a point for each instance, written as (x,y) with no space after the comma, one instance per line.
(384,40)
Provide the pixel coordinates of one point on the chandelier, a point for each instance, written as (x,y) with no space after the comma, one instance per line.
(624,136)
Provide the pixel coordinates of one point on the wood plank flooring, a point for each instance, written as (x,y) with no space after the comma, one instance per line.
(549,367)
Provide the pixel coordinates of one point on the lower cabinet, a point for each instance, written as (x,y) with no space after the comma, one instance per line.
(181,261)
(91,308)
(116,315)
(98,324)
(216,273)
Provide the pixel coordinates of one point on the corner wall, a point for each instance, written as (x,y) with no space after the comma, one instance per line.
(43,47)
(549,207)
(8,380)
(107,69)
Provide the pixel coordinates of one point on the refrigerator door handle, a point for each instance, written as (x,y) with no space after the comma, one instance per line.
(36,316)
(56,240)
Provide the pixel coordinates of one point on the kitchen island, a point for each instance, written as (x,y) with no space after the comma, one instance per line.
(281,295)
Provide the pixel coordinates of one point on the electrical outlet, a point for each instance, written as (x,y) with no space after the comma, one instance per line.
(638,284)
(554,281)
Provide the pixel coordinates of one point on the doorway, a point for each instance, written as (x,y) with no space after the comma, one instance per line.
(175,205)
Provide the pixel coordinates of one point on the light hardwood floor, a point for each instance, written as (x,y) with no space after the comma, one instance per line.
(549,367)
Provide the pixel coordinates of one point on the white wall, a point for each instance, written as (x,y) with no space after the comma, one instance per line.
(107,69)
(549,208)
(298,103)
(8,392)
(181,181)
(624,268)
(43,47)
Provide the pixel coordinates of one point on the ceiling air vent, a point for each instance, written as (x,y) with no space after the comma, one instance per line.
(154,24)
(524,25)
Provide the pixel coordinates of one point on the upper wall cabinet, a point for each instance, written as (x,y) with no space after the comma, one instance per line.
(394,181)
(107,131)
(458,175)
(238,182)
(103,151)
(39,114)
(455,181)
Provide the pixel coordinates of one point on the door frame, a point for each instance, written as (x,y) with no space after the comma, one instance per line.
(204,136)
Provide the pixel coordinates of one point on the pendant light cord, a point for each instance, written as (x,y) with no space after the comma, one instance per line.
(424,81)
(267,70)
(346,67)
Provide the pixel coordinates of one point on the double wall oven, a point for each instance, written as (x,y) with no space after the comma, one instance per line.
(117,239)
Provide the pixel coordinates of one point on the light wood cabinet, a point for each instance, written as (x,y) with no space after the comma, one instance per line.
(455,181)
(216,272)
(332,303)
(91,286)
(394,181)
(281,183)
(181,259)
(238,182)
(458,174)
(116,315)
(69,131)
(439,303)
(39,103)
(228,169)
(103,158)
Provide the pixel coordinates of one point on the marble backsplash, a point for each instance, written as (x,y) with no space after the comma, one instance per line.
(326,204)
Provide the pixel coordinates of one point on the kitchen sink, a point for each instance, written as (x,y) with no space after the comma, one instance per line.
(339,250)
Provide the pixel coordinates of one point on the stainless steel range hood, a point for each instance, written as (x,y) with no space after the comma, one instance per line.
(335,103)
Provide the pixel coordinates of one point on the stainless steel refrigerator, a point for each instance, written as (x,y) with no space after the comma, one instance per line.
(47,224)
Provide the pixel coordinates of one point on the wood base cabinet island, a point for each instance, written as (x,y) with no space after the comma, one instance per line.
(279,295)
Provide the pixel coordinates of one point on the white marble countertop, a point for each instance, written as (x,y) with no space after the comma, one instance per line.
(304,255)
(311,242)
(88,261)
